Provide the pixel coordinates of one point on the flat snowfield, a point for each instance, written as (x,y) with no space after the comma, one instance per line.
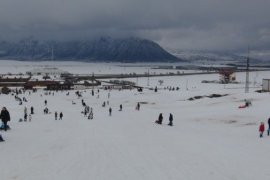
(212,139)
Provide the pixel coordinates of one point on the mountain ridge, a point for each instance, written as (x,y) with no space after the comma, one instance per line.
(104,49)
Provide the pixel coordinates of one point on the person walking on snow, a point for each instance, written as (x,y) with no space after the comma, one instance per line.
(138,107)
(55,115)
(261,129)
(121,107)
(110,111)
(5,117)
(1,138)
(30,117)
(60,116)
(268,131)
(170,120)
(160,119)
(25,117)
(32,110)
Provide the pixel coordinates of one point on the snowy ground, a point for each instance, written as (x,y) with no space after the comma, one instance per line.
(211,138)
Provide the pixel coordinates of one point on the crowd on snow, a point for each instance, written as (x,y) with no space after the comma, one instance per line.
(87,110)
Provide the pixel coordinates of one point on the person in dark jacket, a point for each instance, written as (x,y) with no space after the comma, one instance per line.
(160,119)
(121,107)
(170,120)
(110,111)
(5,117)
(60,116)
(32,110)
(1,138)
(268,131)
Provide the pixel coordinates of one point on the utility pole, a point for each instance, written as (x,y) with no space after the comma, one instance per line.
(247,74)
(148,78)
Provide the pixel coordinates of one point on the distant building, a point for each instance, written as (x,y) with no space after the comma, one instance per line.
(266,85)
(47,71)
(227,75)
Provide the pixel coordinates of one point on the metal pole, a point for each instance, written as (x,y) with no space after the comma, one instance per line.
(148,78)
(247,74)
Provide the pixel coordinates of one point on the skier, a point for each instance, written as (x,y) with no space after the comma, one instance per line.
(110,111)
(60,116)
(45,102)
(261,129)
(160,119)
(55,115)
(5,117)
(171,120)
(30,117)
(104,104)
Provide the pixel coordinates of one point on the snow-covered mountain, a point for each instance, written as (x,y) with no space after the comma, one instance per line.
(207,56)
(100,49)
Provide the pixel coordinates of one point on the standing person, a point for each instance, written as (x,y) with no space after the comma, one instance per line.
(5,117)
(121,107)
(138,106)
(25,117)
(268,131)
(55,115)
(1,138)
(93,92)
(45,102)
(91,114)
(261,129)
(170,120)
(85,112)
(32,110)
(60,116)
(110,111)
(160,119)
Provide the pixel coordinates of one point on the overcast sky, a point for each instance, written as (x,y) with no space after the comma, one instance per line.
(182,24)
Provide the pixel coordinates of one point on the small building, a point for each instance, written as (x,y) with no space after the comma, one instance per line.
(266,85)
(59,86)
(227,75)
(13,81)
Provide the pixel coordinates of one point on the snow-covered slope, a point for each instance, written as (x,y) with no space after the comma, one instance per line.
(211,138)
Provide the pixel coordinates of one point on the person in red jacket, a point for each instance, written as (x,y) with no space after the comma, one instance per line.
(261,129)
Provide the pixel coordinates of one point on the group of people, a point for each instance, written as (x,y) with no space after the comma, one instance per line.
(160,119)
(56,115)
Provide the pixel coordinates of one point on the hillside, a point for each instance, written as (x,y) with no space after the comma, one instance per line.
(101,49)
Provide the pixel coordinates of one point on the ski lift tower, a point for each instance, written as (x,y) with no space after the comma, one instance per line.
(247,74)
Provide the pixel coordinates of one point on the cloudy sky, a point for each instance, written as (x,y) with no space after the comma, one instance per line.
(222,25)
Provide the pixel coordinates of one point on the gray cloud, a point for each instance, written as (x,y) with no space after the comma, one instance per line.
(185,24)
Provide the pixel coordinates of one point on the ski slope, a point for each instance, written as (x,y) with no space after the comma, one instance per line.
(211,138)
